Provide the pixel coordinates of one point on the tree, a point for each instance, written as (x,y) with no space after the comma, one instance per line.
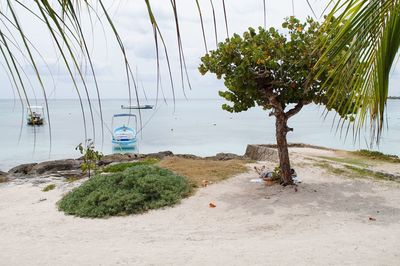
(273,70)
(90,156)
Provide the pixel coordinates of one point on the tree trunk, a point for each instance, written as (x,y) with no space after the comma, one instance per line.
(284,162)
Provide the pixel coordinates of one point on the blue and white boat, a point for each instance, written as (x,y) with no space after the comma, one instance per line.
(124,137)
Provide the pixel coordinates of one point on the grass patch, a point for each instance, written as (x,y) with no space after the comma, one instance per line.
(72,179)
(346,160)
(376,155)
(135,190)
(49,187)
(356,172)
(197,170)
(359,172)
(3,179)
(331,169)
(120,167)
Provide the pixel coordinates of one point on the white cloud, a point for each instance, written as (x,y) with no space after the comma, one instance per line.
(132,22)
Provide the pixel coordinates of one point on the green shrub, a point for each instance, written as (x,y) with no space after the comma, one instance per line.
(49,187)
(376,155)
(136,190)
(90,156)
(123,166)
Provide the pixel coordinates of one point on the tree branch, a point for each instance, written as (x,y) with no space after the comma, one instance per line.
(294,110)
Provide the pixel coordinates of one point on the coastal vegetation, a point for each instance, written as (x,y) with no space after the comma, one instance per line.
(135,187)
(90,156)
(363,32)
(201,171)
(274,70)
(135,190)
(346,160)
(376,155)
(49,187)
(120,167)
(352,171)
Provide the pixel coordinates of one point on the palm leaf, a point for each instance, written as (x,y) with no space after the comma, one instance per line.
(368,33)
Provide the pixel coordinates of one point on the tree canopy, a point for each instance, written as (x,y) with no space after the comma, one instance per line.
(364,38)
(275,70)
(264,64)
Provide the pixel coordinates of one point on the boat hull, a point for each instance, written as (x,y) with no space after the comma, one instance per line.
(124,138)
(35,122)
(124,144)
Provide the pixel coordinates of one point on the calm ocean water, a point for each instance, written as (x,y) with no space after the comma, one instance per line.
(195,126)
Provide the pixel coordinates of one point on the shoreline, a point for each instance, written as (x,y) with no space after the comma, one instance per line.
(147,154)
(347,219)
(71,167)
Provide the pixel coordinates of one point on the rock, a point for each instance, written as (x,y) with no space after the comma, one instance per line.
(159,155)
(262,153)
(188,156)
(55,166)
(118,157)
(128,157)
(227,157)
(22,169)
(72,174)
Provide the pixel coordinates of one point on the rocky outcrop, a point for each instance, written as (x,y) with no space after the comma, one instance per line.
(218,157)
(49,167)
(262,153)
(22,169)
(159,155)
(226,157)
(55,166)
(127,157)
(188,156)
(71,167)
(118,157)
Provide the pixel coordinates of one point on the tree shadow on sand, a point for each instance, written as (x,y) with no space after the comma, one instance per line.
(357,198)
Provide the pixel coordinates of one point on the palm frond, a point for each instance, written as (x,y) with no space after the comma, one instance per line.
(63,20)
(366,40)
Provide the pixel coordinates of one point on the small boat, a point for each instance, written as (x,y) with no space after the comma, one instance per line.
(35,115)
(135,107)
(124,137)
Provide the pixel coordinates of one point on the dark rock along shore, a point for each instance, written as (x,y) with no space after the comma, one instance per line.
(71,167)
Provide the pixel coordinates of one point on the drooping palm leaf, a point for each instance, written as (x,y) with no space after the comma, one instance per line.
(369,31)
(63,20)
(64,23)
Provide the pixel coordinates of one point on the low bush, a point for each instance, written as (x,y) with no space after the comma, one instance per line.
(123,166)
(49,187)
(135,190)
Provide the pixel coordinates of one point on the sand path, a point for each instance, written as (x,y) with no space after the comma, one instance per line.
(326,222)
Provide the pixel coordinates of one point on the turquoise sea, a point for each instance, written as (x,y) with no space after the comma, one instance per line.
(198,127)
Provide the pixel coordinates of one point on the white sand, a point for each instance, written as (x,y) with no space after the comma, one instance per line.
(325,223)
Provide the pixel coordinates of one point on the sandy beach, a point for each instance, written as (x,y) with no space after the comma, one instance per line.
(330,220)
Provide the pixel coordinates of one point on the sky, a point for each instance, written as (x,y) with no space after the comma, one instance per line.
(132,22)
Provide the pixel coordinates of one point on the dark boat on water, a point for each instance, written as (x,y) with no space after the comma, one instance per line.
(35,115)
(135,107)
